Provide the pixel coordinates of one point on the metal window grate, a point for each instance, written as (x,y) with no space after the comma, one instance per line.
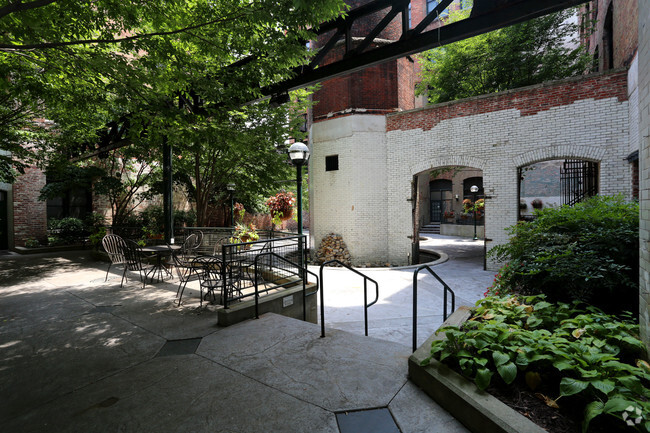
(579,180)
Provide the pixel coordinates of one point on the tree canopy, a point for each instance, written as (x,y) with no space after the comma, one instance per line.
(83,64)
(532,52)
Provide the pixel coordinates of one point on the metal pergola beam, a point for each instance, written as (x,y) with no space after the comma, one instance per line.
(486,16)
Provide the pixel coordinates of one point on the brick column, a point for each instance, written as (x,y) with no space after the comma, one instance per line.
(30,214)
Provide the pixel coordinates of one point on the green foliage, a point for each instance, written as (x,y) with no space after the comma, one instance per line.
(588,252)
(84,67)
(582,355)
(520,55)
(66,231)
(244,233)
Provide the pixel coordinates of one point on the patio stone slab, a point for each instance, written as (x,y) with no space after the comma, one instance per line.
(177,394)
(41,363)
(339,372)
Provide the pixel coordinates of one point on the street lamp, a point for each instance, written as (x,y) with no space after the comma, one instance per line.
(299,154)
(231,189)
(474,190)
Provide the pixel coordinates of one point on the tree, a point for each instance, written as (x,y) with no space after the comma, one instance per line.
(532,52)
(245,147)
(83,65)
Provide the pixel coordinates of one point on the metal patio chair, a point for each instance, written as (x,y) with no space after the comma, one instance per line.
(114,246)
(133,262)
(208,270)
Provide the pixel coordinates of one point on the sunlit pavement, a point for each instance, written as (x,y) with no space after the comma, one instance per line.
(392,317)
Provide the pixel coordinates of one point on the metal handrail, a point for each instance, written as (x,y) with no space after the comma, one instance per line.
(415,300)
(304,285)
(365,294)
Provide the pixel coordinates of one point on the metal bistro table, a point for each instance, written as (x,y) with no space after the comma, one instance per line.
(161,251)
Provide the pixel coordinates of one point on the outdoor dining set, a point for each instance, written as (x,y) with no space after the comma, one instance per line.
(190,260)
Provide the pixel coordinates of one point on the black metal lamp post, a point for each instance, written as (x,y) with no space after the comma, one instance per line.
(299,154)
(231,189)
(474,190)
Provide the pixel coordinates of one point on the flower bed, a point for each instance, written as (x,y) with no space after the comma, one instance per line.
(579,362)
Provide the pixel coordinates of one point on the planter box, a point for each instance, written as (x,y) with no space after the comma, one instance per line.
(479,411)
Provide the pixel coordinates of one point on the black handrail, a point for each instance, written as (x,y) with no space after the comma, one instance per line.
(304,285)
(415,300)
(365,294)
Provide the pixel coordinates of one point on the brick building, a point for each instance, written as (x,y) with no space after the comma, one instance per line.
(374,145)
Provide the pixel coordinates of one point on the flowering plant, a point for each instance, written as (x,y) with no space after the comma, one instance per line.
(449,214)
(244,234)
(281,205)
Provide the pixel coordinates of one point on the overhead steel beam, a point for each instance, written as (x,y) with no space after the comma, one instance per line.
(486,16)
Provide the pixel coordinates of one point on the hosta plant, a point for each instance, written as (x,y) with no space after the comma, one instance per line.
(578,355)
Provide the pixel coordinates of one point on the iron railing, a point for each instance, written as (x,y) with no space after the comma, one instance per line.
(300,274)
(366,305)
(415,300)
(239,260)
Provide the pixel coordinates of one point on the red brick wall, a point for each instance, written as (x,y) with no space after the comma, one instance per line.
(625,30)
(528,100)
(30,214)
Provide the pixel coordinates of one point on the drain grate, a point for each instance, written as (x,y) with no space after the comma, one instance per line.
(179,347)
(367,421)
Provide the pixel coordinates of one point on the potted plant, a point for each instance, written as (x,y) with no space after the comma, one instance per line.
(244,233)
(449,215)
(281,206)
(537,203)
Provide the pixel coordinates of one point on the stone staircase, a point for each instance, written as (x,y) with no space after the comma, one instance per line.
(431,228)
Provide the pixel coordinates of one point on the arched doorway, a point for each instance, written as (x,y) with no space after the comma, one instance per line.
(556,182)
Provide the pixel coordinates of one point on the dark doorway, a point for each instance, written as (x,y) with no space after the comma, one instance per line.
(4,221)
(440,198)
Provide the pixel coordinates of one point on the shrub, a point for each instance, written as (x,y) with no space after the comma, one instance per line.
(588,252)
(578,359)
(66,231)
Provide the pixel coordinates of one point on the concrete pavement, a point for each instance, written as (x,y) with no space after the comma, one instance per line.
(78,354)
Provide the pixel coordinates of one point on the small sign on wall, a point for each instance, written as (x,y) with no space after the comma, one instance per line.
(287,301)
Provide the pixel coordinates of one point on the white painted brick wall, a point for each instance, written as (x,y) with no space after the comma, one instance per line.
(366,201)
(350,201)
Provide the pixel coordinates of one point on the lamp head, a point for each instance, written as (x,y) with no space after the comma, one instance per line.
(299,154)
(474,188)
(230,187)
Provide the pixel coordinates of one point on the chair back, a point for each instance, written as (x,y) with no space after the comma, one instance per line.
(114,245)
(208,269)
(132,255)
(190,245)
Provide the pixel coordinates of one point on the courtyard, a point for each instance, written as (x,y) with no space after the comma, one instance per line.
(81,354)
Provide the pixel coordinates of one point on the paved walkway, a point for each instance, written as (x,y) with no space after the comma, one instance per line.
(78,354)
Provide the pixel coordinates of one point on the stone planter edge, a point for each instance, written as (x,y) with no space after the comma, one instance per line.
(477,410)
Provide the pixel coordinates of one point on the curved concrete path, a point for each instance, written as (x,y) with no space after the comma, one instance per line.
(391,318)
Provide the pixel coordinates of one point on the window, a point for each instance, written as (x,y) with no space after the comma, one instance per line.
(431,5)
(464,4)
(331,163)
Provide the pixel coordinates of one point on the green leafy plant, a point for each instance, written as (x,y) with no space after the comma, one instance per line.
(244,233)
(66,231)
(588,252)
(32,243)
(581,355)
